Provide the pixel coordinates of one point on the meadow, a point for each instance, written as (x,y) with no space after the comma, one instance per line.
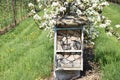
(107,48)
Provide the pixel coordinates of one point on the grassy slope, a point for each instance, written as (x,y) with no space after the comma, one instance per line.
(25,53)
(108,48)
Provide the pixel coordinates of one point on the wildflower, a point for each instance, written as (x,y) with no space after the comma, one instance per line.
(117,26)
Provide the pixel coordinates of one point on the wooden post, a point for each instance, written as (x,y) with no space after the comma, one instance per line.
(55,41)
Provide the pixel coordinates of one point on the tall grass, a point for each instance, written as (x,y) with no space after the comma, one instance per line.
(107,48)
(112,71)
(25,53)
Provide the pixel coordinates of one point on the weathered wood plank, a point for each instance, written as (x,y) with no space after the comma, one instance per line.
(68,50)
(70,21)
(68,68)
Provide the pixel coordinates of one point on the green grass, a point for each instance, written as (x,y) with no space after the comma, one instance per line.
(25,53)
(107,48)
(113,13)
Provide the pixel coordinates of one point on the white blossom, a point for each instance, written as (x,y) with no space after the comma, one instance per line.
(38,0)
(102,25)
(99,7)
(54,4)
(52,23)
(82,6)
(85,1)
(103,17)
(36,17)
(118,38)
(62,9)
(30,5)
(109,34)
(92,43)
(99,18)
(45,9)
(40,6)
(78,12)
(95,1)
(78,2)
(65,3)
(89,8)
(117,26)
(94,5)
(108,22)
(33,11)
(44,24)
(104,4)
(46,16)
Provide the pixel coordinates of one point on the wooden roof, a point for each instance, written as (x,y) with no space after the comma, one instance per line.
(71,21)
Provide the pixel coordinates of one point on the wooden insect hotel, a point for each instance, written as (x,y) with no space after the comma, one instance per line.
(68,47)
